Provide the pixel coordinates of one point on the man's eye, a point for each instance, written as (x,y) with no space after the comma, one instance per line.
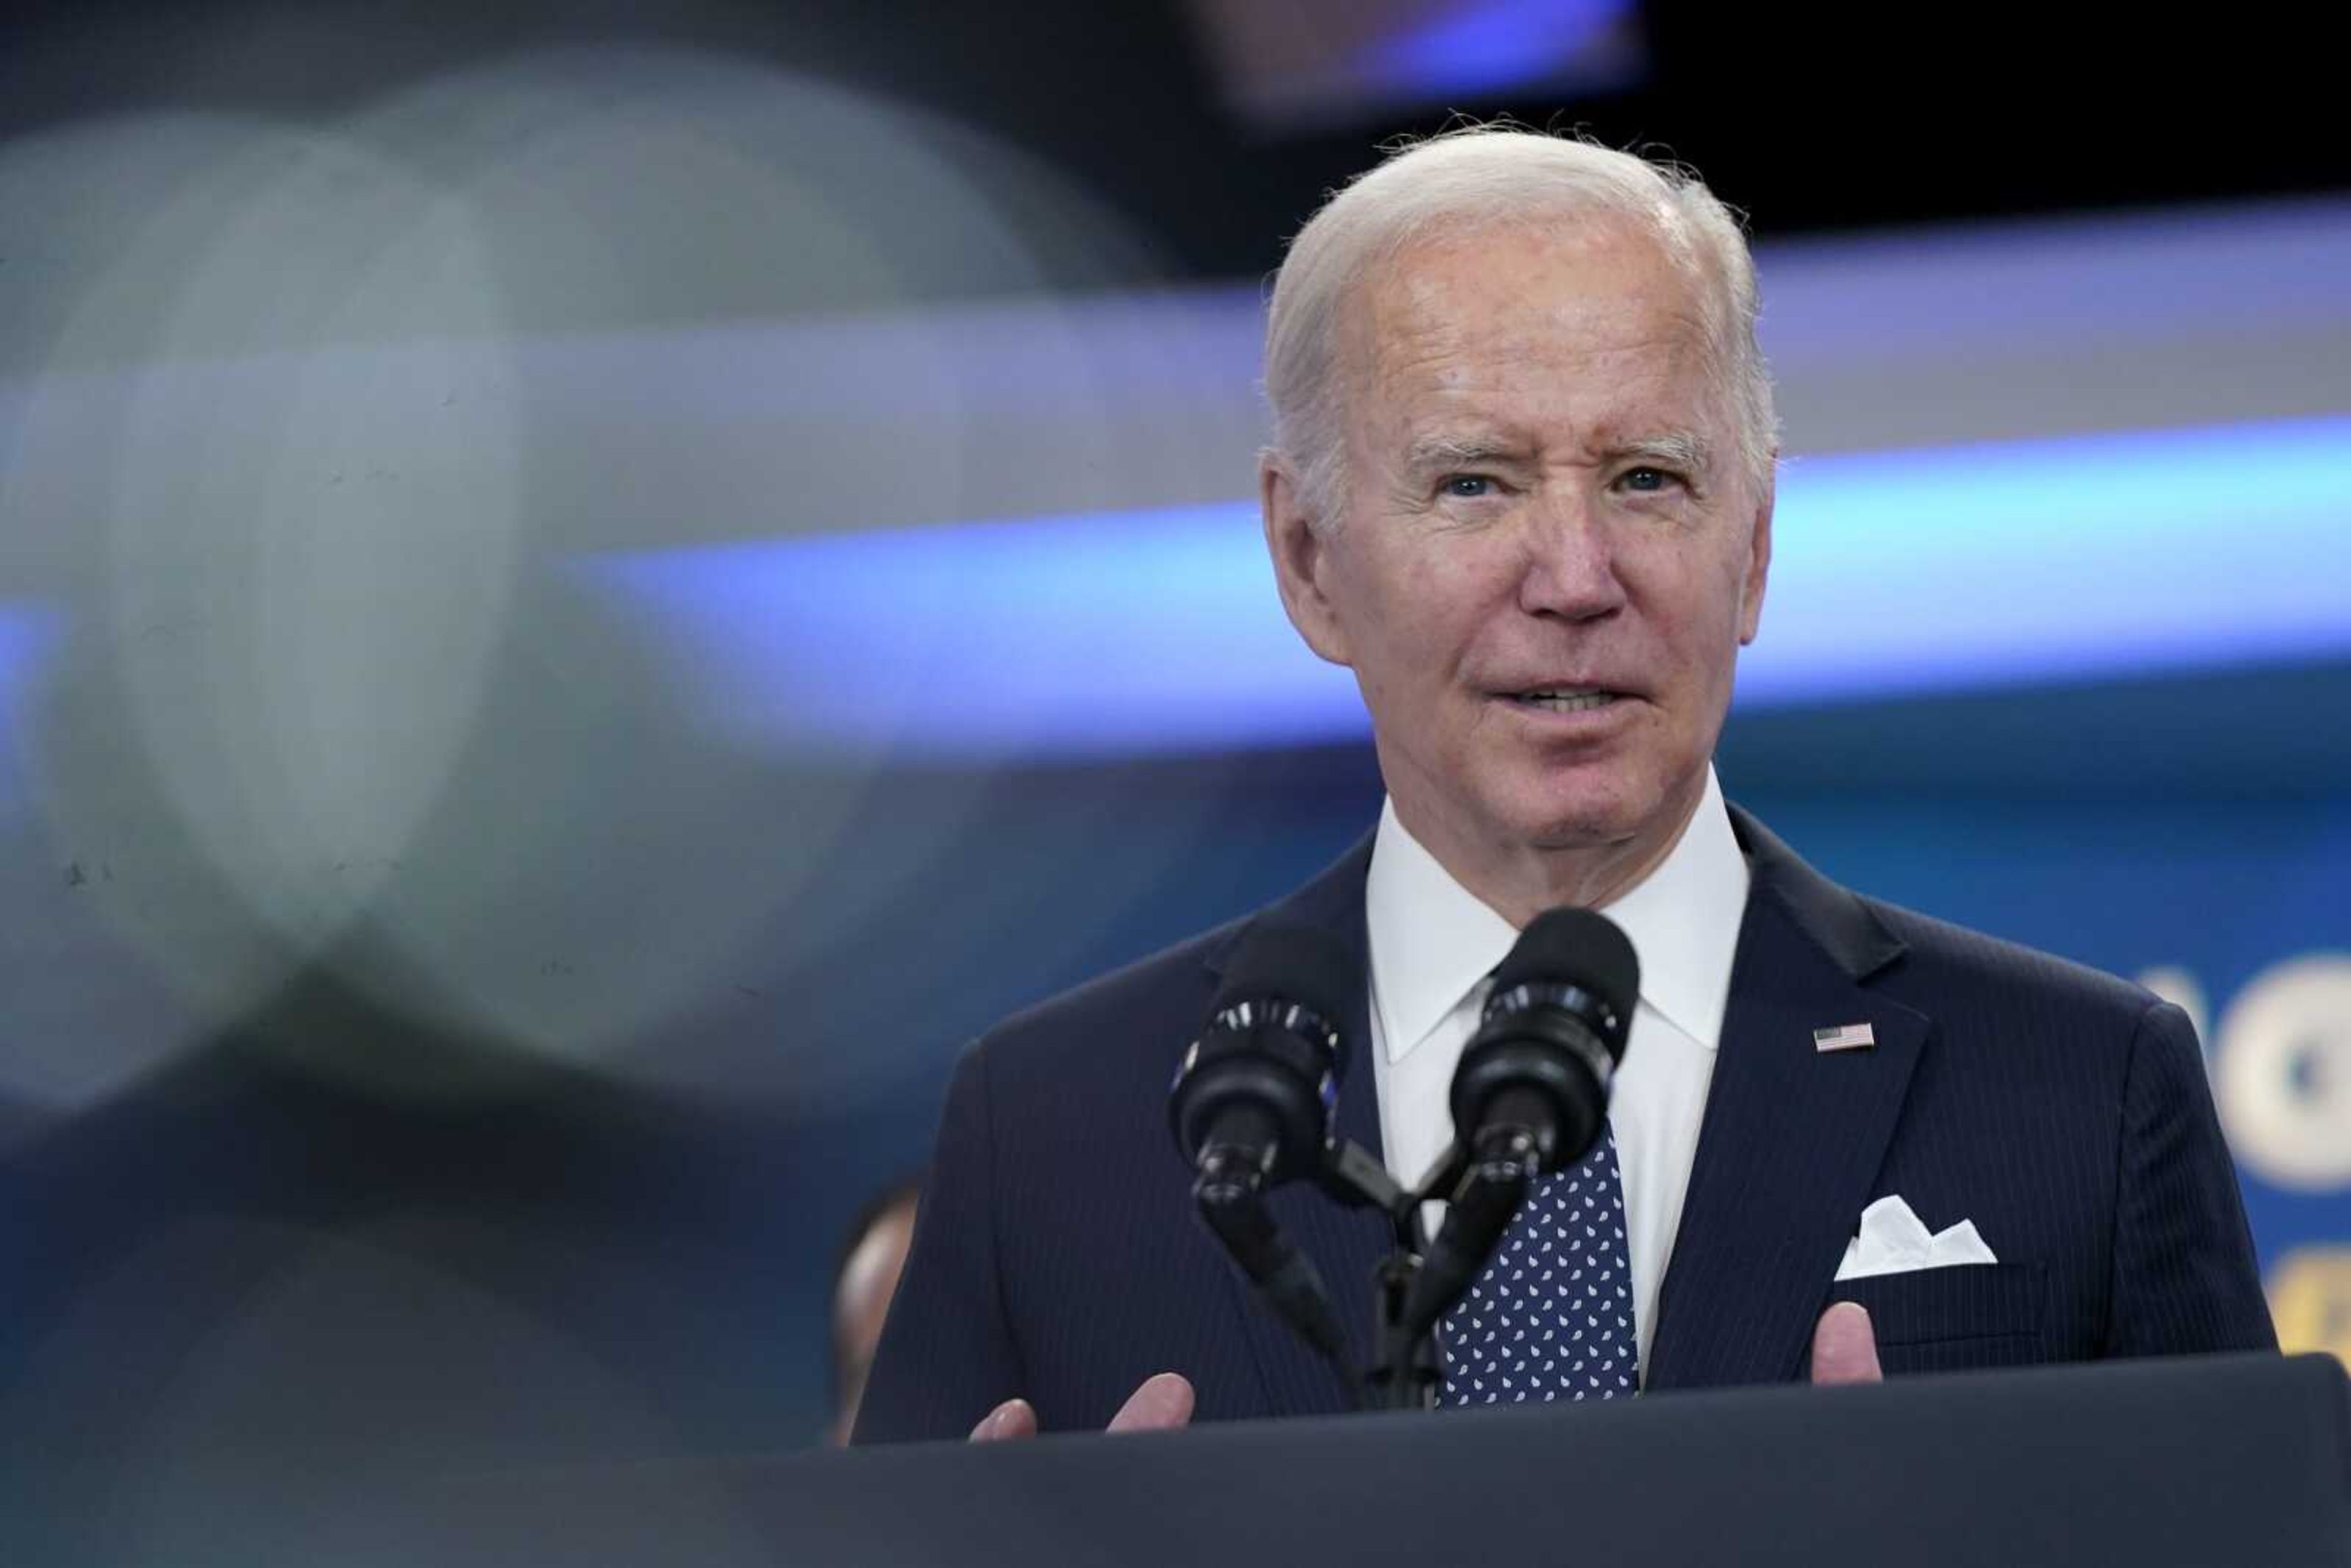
(1468,486)
(1647,481)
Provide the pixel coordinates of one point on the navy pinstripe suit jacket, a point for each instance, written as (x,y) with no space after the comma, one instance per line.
(1057,1256)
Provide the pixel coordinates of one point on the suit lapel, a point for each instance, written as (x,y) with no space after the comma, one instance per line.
(1346,1244)
(1792,1138)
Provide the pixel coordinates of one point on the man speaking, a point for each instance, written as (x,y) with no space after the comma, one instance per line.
(1521,485)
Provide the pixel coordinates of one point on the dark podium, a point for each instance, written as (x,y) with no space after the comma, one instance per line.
(2233,1460)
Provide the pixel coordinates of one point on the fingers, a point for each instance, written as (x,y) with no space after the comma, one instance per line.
(1162,1404)
(1013,1419)
(1844,1346)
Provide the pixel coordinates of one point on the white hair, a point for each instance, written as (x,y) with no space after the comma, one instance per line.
(1488,176)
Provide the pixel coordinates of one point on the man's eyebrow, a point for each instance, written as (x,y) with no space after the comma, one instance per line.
(1674,448)
(1452,451)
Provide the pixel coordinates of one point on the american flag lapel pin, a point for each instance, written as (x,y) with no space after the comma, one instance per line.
(1845,1037)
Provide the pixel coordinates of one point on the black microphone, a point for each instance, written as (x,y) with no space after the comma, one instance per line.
(1531,1092)
(1539,1067)
(1252,1106)
(1254,1096)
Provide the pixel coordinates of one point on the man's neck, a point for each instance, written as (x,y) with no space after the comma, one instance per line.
(1520,881)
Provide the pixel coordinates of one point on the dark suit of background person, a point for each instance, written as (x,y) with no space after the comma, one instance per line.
(1539,533)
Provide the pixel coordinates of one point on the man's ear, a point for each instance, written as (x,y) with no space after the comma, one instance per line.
(1758,560)
(1302,559)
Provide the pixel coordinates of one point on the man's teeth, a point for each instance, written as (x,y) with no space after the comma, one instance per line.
(1567,701)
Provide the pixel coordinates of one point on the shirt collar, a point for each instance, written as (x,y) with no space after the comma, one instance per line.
(1683,919)
(1433,941)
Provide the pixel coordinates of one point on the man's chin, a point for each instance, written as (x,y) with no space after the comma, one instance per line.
(1589,820)
(1567,837)
(1567,828)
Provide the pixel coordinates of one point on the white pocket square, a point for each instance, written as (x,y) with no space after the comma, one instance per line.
(1893,1241)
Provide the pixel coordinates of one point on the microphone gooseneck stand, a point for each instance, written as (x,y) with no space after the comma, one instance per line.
(1416,1284)
(1254,1096)
(1405,1372)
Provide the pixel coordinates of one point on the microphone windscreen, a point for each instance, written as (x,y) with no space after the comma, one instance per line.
(1577,947)
(1301,964)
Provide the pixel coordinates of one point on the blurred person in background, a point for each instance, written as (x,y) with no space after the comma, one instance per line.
(1521,485)
(865,1277)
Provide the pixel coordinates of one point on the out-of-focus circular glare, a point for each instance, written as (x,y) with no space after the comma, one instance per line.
(654,214)
(309,417)
(294,491)
(2282,1073)
(284,579)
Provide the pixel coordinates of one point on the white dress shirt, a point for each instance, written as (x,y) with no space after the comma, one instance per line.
(1432,946)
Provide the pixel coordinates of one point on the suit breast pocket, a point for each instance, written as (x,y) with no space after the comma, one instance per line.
(1945,1320)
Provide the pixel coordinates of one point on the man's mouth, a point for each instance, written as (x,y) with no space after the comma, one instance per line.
(1565,699)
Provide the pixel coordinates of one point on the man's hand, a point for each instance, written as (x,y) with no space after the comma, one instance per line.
(1845,1347)
(1161,1404)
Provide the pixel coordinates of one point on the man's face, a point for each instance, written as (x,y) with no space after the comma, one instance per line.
(1547,553)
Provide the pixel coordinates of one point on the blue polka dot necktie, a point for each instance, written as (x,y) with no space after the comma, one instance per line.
(1552,1317)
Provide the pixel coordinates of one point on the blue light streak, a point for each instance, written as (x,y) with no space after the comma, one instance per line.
(1142,633)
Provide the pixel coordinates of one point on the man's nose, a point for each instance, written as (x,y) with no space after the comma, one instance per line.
(1570,568)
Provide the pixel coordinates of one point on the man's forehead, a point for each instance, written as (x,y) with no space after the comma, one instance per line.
(1510,296)
(1597,255)
(1484,340)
